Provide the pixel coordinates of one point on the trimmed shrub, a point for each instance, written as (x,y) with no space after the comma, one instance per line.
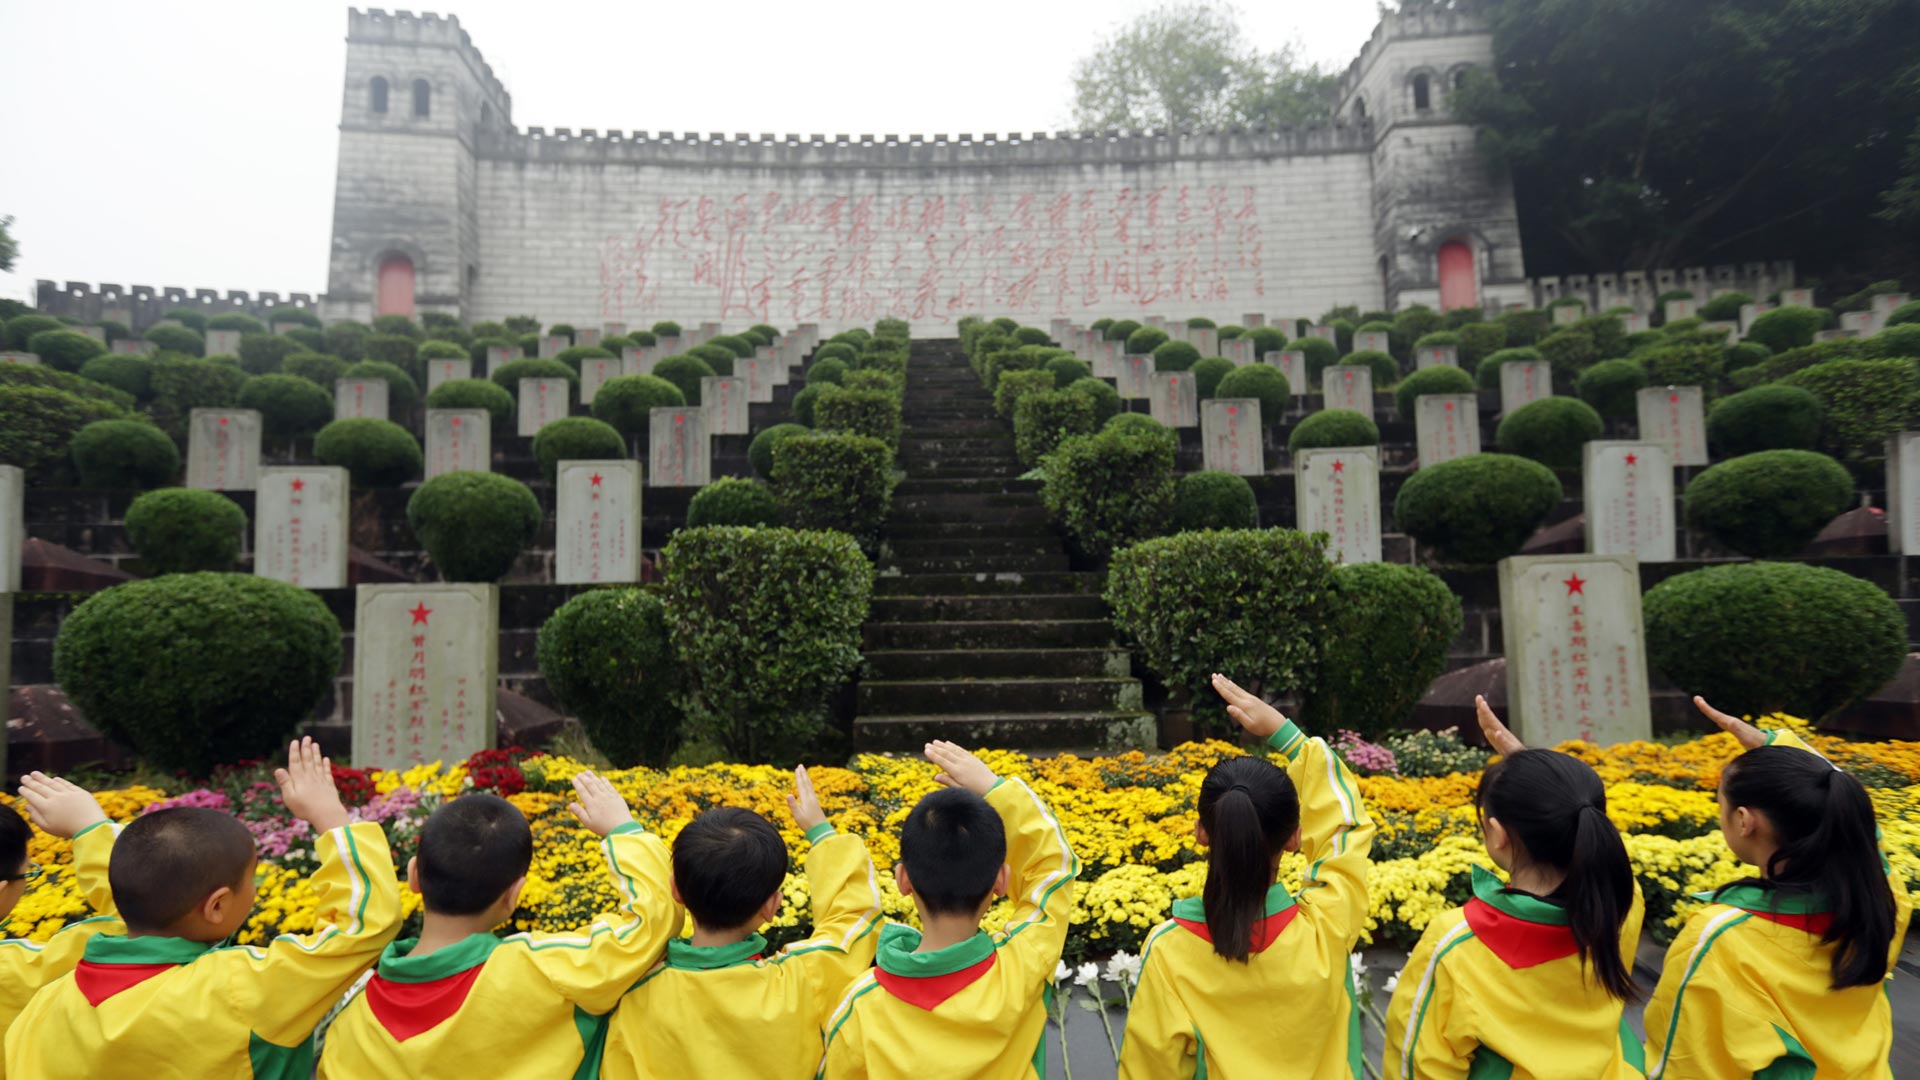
(740,347)
(874,413)
(1785,328)
(1207,374)
(1767,637)
(1321,354)
(294,315)
(1266,339)
(317,368)
(399,350)
(1477,509)
(835,350)
(473,525)
(1136,422)
(805,401)
(1433,380)
(1480,340)
(1770,504)
(606,657)
(1571,350)
(184,531)
(1175,356)
(1906,313)
(264,353)
(1330,428)
(508,375)
(21,328)
(1866,402)
(576,438)
(1101,394)
(1487,376)
(1744,354)
(1068,370)
(1725,307)
(627,401)
(1550,431)
(574,354)
(1112,488)
(1525,327)
(1214,500)
(1685,365)
(830,370)
(190,670)
(1903,340)
(1261,381)
(1385,369)
(475,394)
(839,482)
(121,454)
(376,453)
(184,383)
(1015,385)
(1030,335)
(1041,420)
(1385,638)
(666,328)
(1612,387)
(174,339)
(65,350)
(402,392)
(346,340)
(733,500)
(38,425)
(397,326)
(130,374)
(1121,331)
(760,451)
(289,407)
(1765,418)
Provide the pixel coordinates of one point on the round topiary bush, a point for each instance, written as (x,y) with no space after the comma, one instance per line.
(289,406)
(1266,339)
(119,454)
(1477,509)
(1041,420)
(1175,356)
(508,375)
(1385,369)
(760,451)
(319,369)
(835,350)
(132,374)
(64,350)
(1105,399)
(576,438)
(1122,330)
(805,400)
(38,424)
(1208,372)
(666,328)
(1488,374)
(684,372)
(1866,402)
(185,530)
(402,392)
(606,657)
(191,670)
(718,357)
(1785,328)
(1261,381)
(376,453)
(474,394)
(1769,417)
(627,402)
(740,347)
(1387,631)
(1321,354)
(1068,370)
(842,482)
(1214,500)
(474,524)
(1770,504)
(1145,340)
(1550,431)
(21,328)
(830,370)
(1113,488)
(1767,637)
(1433,380)
(574,354)
(1745,354)
(1612,387)
(1331,428)
(176,339)
(733,500)
(1133,422)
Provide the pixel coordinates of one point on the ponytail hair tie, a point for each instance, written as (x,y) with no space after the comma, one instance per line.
(1241,787)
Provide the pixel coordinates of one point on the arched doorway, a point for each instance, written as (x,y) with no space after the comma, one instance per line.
(395,294)
(1459,281)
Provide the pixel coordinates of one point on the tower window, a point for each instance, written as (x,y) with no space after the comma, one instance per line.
(1460,78)
(1360,110)
(1422,93)
(379,94)
(423,98)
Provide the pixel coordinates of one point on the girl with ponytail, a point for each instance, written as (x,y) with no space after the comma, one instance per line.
(1248,979)
(1528,980)
(1782,974)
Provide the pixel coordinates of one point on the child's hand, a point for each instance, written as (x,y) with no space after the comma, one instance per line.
(598,806)
(803,804)
(306,787)
(1743,733)
(1504,742)
(1258,717)
(960,769)
(59,806)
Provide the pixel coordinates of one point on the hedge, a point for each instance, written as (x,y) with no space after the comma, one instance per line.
(1112,488)
(132,375)
(840,482)
(175,339)
(474,524)
(1214,500)
(475,394)
(1613,388)
(1175,356)
(38,425)
(1551,431)
(1866,402)
(1014,385)
(289,407)
(1041,420)
(760,451)
(1770,504)
(1333,428)
(1068,370)
(1487,375)
(508,375)
(873,413)
(1385,637)
(627,402)
(733,500)
(121,454)
(576,438)
(1145,340)
(185,530)
(264,353)
(64,350)
(1765,418)
(1261,381)
(1477,509)
(376,453)
(1104,398)
(606,657)
(319,369)
(1433,380)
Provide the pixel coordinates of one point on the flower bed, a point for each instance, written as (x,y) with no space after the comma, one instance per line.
(1130,817)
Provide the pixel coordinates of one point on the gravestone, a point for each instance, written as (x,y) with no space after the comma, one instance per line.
(97,333)
(1174,399)
(223,343)
(724,397)
(1730,329)
(1177,330)
(1674,417)
(1106,359)
(780,368)
(1750,312)
(120,315)
(636,360)
(1886,304)
(709,331)
(446,370)
(1136,376)
(425,659)
(1576,653)
(1373,341)
(1238,350)
(551,345)
(13,533)
(24,359)
(1797,297)
(1635,322)
(223,449)
(586,335)
(1206,339)
(300,526)
(281,327)
(1293,364)
(1437,356)
(1628,487)
(758,371)
(612,329)
(679,453)
(1230,439)
(359,399)
(459,440)
(1158,322)
(1903,493)
(594,373)
(1058,327)
(1447,426)
(1568,314)
(1337,492)
(667,345)
(1523,382)
(1253,319)
(1858,323)
(1324,332)
(1677,310)
(501,354)
(597,523)
(542,401)
(1348,386)
(132,347)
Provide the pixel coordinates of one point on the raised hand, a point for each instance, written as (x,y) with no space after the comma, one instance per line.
(1504,742)
(1258,717)
(1743,733)
(598,806)
(306,787)
(58,806)
(960,769)
(803,804)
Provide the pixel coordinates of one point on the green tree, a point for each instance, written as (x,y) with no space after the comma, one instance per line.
(9,247)
(1188,65)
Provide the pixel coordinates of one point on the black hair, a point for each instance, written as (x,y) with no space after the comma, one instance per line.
(471,851)
(1823,820)
(15,833)
(1250,811)
(953,845)
(168,862)
(726,863)
(1554,807)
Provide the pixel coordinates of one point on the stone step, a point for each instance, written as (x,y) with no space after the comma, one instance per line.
(986,426)
(960,564)
(1010,633)
(998,663)
(955,444)
(904,548)
(964,470)
(989,583)
(963,485)
(909,608)
(1035,731)
(927,525)
(953,696)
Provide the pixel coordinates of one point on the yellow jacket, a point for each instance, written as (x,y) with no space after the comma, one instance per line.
(1199,1014)
(1747,992)
(1497,989)
(977,1009)
(730,1010)
(531,1005)
(26,966)
(162,1008)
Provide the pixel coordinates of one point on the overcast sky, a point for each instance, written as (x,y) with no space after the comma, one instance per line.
(160,142)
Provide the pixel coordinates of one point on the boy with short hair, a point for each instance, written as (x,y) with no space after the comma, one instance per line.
(461,1002)
(953,1000)
(717,1005)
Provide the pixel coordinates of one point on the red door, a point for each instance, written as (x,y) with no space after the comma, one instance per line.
(395,295)
(1459,284)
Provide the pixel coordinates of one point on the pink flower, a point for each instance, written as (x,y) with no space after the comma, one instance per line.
(200,798)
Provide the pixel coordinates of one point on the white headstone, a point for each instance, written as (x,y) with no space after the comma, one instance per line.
(223,449)
(594,373)
(1729,329)
(1177,330)
(1523,382)
(613,329)
(1576,654)
(1174,399)
(1230,439)
(501,354)
(459,440)
(1797,297)
(1750,312)
(1888,303)
(724,397)
(1628,487)
(1348,386)
(25,359)
(444,370)
(709,331)
(1857,322)
(758,371)
(356,399)
(1106,359)
(1240,351)
(636,360)
(424,664)
(1447,426)
(1337,492)
(597,523)
(542,401)
(1373,341)
(1568,314)
(13,533)
(1903,493)
(282,326)
(300,527)
(1635,322)
(1325,332)
(132,347)
(679,454)
(1206,339)
(1136,376)
(1675,417)
(1253,319)
(550,346)
(223,343)
(586,335)
(1157,321)
(1677,310)
(1438,356)
(1293,364)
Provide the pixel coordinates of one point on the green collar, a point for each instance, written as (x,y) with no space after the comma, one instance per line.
(397,964)
(1194,908)
(897,955)
(1772,899)
(150,949)
(1526,907)
(687,956)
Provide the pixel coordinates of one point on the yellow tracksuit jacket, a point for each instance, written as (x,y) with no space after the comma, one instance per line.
(26,966)
(732,1011)
(531,1005)
(1290,1009)
(1496,989)
(977,1009)
(162,1008)
(1747,992)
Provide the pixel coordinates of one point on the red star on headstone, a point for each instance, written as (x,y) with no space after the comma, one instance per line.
(596,479)
(420,613)
(223,421)
(1339,466)
(456,421)
(1575,584)
(1633,459)
(1672,398)
(299,484)
(1449,406)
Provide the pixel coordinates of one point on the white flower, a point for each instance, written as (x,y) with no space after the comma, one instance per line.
(1088,974)
(1392,983)
(1061,972)
(1359,969)
(1124,968)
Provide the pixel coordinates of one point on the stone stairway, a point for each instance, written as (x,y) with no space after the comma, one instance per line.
(980,631)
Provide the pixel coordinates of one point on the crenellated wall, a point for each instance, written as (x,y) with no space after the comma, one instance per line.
(140,306)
